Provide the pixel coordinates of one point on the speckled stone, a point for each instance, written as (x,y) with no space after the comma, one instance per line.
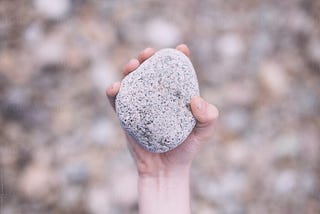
(153,103)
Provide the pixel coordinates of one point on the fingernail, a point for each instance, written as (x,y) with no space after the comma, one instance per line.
(113,85)
(200,104)
(147,49)
(132,61)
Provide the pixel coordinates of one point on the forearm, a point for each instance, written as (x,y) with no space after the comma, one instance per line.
(165,193)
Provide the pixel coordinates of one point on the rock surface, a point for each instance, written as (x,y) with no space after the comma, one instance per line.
(153,103)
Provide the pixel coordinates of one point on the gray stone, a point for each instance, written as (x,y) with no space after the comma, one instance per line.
(153,103)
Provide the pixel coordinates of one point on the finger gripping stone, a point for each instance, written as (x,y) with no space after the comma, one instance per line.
(153,103)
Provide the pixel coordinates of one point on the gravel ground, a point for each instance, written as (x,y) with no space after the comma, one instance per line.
(61,146)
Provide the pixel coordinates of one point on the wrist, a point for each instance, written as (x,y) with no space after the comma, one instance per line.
(164,180)
(167,192)
(165,173)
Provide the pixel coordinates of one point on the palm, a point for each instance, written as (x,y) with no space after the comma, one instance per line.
(148,162)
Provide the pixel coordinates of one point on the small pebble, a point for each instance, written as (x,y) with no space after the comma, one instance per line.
(161,33)
(53,9)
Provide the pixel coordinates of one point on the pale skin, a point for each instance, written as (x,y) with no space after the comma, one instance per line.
(163,182)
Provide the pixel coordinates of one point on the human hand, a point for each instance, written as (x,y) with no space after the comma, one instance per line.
(153,164)
(174,164)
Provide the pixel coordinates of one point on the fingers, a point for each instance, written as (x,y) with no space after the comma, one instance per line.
(203,111)
(132,65)
(148,52)
(206,116)
(145,54)
(184,49)
(112,92)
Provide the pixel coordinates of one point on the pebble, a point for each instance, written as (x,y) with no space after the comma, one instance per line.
(53,9)
(101,132)
(223,189)
(153,101)
(314,49)
(285,182)
(50,50)
(230,46)
(274,79)
(98,200)
(33,34)
(238,153)
(71,196)
(241,93)
(286,146)
(76,173)
(162,33)
(236,121)
(125,194)
(37,181)
(102,74)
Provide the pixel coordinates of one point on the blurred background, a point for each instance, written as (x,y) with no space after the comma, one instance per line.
(61,146)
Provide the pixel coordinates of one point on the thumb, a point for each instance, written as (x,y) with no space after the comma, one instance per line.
(206,115)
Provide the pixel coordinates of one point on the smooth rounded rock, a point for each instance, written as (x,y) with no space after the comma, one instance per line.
(153,103)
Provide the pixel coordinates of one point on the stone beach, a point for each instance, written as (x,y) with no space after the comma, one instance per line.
(63,151)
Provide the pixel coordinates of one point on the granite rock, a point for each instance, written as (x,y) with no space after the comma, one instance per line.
(153,103)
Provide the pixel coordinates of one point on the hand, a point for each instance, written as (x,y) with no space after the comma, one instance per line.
(174,164)
(154,164)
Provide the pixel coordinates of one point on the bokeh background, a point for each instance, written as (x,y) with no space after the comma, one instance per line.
(61,146)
